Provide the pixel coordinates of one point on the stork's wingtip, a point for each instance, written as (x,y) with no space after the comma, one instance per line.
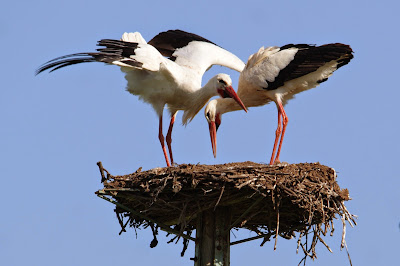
(38,71)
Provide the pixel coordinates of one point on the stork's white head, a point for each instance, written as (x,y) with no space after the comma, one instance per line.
(221,82)
(213,117)
(211,111)
(223,85)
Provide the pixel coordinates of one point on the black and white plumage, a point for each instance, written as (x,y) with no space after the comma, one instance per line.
(277,74)
(159,81)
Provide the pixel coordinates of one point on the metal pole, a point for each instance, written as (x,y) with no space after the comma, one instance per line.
(222,236)
(213,237)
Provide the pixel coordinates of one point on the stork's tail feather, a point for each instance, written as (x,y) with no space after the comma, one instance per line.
(133,37)
(114,52)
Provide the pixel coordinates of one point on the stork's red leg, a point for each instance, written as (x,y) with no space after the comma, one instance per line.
(285,120)
(161,138)
(277,136)
(169,138)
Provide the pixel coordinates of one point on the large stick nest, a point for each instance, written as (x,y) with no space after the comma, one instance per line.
(268,200)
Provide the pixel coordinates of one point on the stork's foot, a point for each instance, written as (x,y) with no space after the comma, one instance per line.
(275,162)
(279,163)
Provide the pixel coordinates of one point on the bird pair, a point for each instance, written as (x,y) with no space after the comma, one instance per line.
(168,70)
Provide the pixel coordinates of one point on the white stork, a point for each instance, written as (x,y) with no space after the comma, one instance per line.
(277,74)
(160,81)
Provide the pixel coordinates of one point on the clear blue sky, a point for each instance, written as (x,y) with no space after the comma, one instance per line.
(55,127)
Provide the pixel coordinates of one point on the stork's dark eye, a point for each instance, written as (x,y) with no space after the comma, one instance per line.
(208,115)
(222,81)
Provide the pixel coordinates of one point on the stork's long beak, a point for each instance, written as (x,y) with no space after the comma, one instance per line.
(213,136)
(231,92)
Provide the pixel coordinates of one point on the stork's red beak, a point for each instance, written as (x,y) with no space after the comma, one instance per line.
(213,136)
(231,92)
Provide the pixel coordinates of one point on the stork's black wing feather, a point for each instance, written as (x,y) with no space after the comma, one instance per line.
(309,58)
(113,50)
(167,42)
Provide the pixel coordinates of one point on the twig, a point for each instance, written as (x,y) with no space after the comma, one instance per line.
(348,254)
(343,232)
(100,165)
(277,221)
(120,221)
(299,241)
(245,183)
(154,242)
(220,196)
(323,242)
(250,239)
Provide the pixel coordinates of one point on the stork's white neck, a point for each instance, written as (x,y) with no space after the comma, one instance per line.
(198,99)
(225,58)
(225,105)
(202,55)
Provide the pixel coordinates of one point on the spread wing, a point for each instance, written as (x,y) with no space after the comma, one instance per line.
(193,51)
